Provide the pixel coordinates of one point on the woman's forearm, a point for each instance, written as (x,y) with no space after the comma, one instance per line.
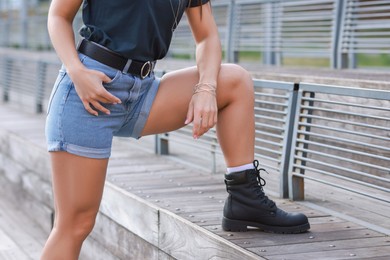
(208,59)
(63,40)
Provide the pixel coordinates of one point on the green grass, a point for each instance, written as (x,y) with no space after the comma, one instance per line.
(249,56)
(373,60)
(253,56)
(306,62)
(363,60)
(181,56)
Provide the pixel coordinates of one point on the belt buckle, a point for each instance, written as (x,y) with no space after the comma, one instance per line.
(147,64)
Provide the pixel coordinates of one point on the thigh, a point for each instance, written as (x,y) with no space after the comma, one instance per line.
(78,184)
(170,106)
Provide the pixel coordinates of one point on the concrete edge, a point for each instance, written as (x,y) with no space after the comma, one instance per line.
(169,232)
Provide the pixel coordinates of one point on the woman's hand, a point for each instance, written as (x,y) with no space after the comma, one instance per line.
(89,87)
(203,112)
(88,83)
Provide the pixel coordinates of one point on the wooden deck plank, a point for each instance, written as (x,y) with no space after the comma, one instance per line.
(258,238)
(375,258)
(203,218)
(147,179)
(356,253)
(335,226)
(170,192)
(196,189)
(325,220)
(323,246)
(140,168)
(24,235)
(367,209)
(9,250)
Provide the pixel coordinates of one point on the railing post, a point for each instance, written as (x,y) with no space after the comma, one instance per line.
(24,24)
(4,30)
(7,34)
(352,63)
(214,156)
(269,23)
(348,59)
(277,9)
(230,55)
(7,78)
(41,79)
(297,184)
(287,143)
(342,57)
(162,144)
(337,33)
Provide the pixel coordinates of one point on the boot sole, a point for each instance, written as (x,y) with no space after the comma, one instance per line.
(242,226)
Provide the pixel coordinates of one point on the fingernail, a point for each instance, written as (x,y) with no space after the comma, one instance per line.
(196,137)
(186,122)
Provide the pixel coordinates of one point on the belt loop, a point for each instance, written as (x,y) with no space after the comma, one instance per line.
(127,66)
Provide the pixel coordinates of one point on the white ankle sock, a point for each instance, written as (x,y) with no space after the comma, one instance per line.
(240,168)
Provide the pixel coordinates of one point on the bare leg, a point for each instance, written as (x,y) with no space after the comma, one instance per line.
(235,129)
(78,187)
(235,100)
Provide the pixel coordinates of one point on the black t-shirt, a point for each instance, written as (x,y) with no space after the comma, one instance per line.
(137,29)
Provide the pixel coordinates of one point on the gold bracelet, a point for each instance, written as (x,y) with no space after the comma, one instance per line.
(205,87)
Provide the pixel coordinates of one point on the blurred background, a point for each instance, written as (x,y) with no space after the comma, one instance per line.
(311,33)
(322,118)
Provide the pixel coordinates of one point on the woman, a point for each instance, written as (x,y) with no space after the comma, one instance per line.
(107,88)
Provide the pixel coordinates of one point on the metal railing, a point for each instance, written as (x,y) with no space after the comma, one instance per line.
(342,137)
(273,32)
(27,82)
(335,135)
(365,28)
(29,32)
(307,29)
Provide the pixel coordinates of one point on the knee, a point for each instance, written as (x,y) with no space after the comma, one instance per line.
(237,76)
(78,225)
(83,226)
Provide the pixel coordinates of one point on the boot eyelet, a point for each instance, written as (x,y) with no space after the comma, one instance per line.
(272,213)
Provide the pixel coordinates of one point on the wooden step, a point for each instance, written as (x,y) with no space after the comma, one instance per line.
(155,207)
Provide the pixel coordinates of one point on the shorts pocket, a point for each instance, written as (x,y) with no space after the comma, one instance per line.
(116,78)
(92,64)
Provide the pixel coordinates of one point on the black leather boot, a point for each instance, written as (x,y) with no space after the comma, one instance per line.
(247,205)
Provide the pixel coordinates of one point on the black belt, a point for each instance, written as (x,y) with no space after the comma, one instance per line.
(115,60)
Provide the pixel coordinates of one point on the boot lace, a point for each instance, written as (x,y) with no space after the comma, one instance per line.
(260,183)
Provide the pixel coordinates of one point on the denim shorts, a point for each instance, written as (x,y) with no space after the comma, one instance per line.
(70,128)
